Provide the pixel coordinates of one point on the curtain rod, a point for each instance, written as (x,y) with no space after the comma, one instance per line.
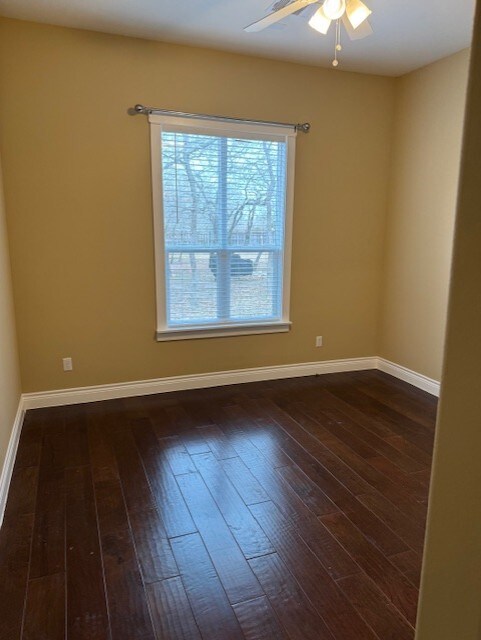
(140,109)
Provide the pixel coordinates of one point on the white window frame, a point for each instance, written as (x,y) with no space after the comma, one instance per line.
(159,123)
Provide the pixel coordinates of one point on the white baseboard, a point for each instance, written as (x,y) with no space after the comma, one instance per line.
(237,376)
(180,383)
(10,456)
(411,377)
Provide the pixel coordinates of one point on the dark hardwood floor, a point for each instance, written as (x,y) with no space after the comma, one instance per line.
(278,510)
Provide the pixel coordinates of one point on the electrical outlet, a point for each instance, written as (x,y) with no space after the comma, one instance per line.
(318,341)
(67,364)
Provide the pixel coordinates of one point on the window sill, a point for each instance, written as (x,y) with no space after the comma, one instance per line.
(222,331)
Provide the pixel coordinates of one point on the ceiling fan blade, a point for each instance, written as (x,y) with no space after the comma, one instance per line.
(278,15)
(361,32)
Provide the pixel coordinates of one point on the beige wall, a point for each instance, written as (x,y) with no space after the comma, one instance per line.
(78,199)
(9,368)
(450,605)
(419,232)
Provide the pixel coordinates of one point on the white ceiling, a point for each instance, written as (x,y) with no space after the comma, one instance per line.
(407,33)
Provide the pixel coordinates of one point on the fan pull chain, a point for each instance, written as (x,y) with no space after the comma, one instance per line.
(338,46)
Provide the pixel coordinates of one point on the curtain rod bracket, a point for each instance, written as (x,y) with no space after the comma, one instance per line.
(140,109)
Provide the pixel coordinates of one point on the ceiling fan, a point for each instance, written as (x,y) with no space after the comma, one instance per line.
(352,13)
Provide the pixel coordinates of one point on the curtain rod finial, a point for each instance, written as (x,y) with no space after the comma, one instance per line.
(139,108)
(304,127)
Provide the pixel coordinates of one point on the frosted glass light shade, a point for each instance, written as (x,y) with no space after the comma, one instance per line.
(357,12)
(333,9)
(320,22)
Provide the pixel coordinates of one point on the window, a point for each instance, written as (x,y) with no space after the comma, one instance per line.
(223,197)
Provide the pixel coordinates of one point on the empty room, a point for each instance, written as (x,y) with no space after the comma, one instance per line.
(240,320)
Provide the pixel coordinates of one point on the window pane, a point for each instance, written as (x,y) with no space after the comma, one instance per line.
(191,288)
(190,177)
(255,285)
(255,193)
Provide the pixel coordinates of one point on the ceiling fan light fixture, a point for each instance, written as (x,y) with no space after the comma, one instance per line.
(334,9)
(320,22)
(357,12)
(352,14)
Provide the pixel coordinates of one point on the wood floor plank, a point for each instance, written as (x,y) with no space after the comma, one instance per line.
(245,529)
(307,490)
(34,419)
(333,557)
(258,620)
(194,406)
(232,568)
(235,416)
(45,608)
(135,484)
(265,433)
(127,600)
(185,425)
(409,481)
(375,609)
(171,611)
(394,491)
(212,611)
(293,423)
(247,486)
(350,432)
(268,446)
(76,447)
(252,432)
(328,424)
(331,604)
(15,540)
(402,444)
(325,478)
(330,400)
(174,452)
(424,477)
(217,441)
(407,405)
(22,492)
(296,613)
(29,448)
(170,503)
(419,435)
(151,407)
(86,602)
(426,401)
(54,444)
(407,529)
(394,585)
(48,543)
(373,527)
(101,453)
(152,545)
(409,563)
